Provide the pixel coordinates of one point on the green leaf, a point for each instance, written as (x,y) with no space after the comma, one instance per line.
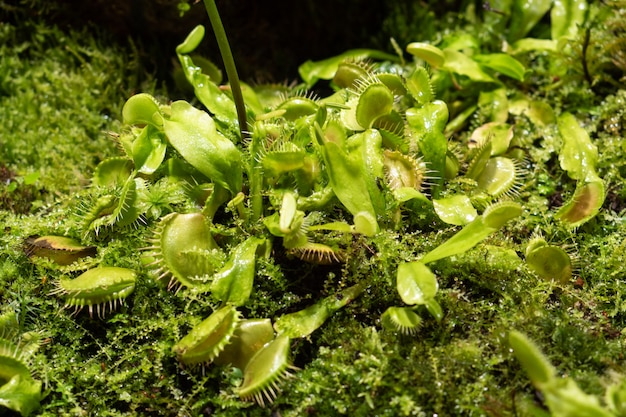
(416,283)
(566,16)
(473,233)
(461,64)
(534,45)
(304,322)
(616,397)
(348,179)
(539,370)
(434,309)
(148,150)
(220,104)
(457,210)
(429,122)
(192,41)
(525,14)
(366,147)
(193,134)
(233,283)
(404,194)
(578,155)
(563,397)
(434,56)
(502,63)
(31,178)
(205,87)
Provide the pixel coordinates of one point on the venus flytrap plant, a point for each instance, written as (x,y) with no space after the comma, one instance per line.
(365,160)
(355,159)
(344,156)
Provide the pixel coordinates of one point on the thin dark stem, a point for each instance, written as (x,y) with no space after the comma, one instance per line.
(229,64)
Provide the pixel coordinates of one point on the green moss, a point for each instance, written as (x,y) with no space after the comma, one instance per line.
(59,95)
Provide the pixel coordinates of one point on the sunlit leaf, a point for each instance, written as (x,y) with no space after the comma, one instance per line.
(194,135)
(457,210)
(416,283)
(502,63)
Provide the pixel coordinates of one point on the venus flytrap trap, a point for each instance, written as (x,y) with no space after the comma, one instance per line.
(209,338)
(60,249)
(550,261)
(183,250)
(96,289)
(578,157)
(20,389)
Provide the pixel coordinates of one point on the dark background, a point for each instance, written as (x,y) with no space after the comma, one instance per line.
(269,38)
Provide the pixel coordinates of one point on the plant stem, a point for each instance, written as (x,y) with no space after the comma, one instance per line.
(229,64)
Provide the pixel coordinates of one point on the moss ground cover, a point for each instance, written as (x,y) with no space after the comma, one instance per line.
(66,177)
(56,92)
